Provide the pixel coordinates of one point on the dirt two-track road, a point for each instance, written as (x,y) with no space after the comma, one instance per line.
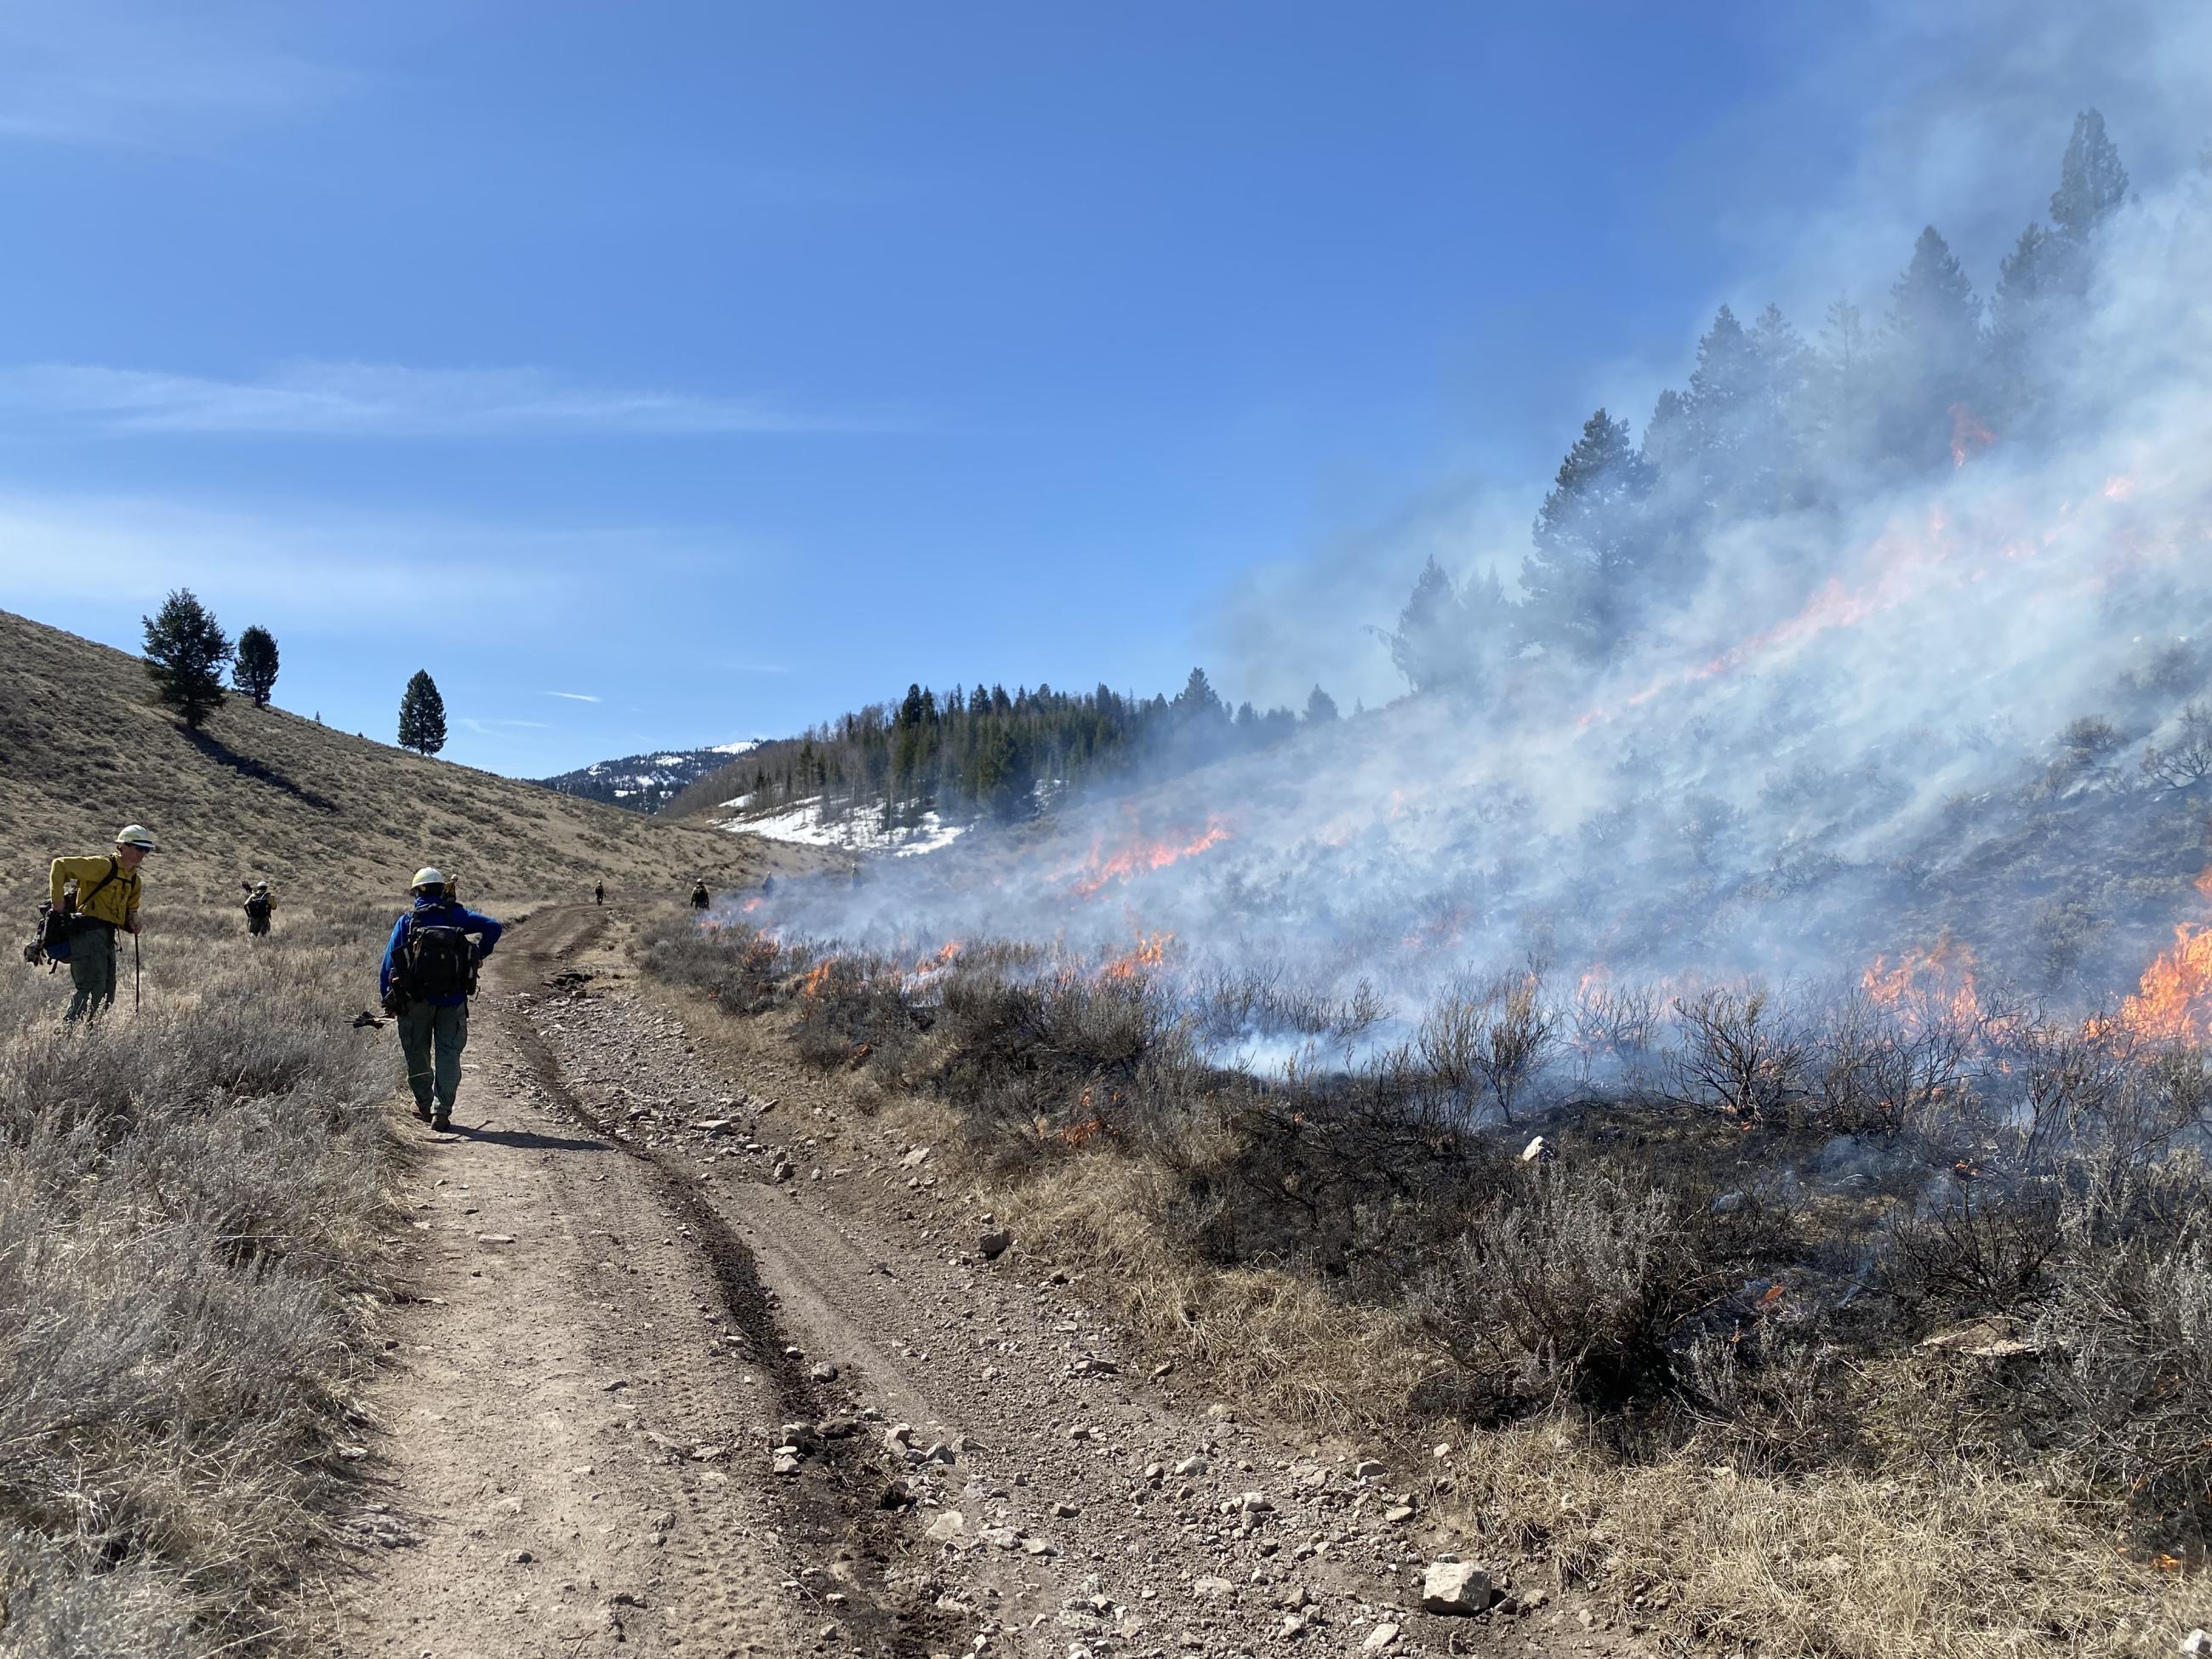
(707,1362)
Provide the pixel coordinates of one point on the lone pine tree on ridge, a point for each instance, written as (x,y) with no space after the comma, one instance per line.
(422,716)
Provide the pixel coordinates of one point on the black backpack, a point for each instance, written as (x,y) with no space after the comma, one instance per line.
(437,960)
(258,907)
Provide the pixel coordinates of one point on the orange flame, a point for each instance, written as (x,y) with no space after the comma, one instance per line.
(1902,565)
(1151,950)
(942,959)
(816,978)
(1440,933)
(1145,857)
(1969,437)
(2173,1002)
(751,905)
(1928,985)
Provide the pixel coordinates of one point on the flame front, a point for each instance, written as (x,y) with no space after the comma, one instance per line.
(1144,857)
(2173,1004)
(1151,951)
(1928,985)
(1969,437)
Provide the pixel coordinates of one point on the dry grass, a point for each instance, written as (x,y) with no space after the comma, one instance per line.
(1950,1563)
(319,812)
(1678,1369)
(192,1204)
(192,1199)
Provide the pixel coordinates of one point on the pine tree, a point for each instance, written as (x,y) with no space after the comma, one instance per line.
(2021,318)
(255,671)
(1843,390)
(1584,577)
(2092,183)
(1670,444)
(185,653)
(1933,346)
(421,715)
(1721,403)
(1320,709)
(1424,649)
(1198,703)
(1775,446)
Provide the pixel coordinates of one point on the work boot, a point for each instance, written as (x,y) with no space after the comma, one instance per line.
(441,1123)
(422,1112)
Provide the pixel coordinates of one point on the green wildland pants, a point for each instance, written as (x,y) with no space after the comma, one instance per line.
(92,970)
(432,1039)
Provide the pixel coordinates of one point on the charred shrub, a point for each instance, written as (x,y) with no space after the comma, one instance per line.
(1979,1243)
(1876,1069)
(852,1011)
(1358,1177)
(1743,1051)
(1612,1033)
(1062,1059)
(1584,1284)
(735,966)
(1489,1043)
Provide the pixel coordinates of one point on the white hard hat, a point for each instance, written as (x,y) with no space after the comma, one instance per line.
(426,876)
(135,835)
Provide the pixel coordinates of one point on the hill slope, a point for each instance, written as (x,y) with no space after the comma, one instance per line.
(263,793)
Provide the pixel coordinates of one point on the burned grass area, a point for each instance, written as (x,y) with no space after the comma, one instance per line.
(1772,1314)
(195,1201)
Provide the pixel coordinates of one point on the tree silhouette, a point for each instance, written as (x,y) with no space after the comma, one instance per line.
(422,716)
(255,671)
(185,653)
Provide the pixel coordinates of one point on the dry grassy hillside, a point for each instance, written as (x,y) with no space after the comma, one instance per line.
(263,792)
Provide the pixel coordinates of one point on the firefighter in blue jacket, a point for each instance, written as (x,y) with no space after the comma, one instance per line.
(428,976)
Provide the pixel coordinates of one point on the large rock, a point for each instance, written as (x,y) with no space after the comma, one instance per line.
(950,1527)
(1455,1587)
(995,1244)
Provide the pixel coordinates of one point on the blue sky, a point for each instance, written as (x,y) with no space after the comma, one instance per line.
(662,373)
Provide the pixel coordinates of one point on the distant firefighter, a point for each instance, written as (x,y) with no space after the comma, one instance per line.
(700,899)
(260,907)
(598,892)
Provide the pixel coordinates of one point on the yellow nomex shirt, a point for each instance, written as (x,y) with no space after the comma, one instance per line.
(114,903)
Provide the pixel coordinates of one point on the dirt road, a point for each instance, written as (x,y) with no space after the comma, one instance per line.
(709,1362)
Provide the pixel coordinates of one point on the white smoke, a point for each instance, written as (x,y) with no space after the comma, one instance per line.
(1779,777)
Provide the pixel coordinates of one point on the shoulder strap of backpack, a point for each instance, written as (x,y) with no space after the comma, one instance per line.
(114,869)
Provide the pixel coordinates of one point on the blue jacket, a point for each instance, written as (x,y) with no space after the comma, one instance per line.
(437,912)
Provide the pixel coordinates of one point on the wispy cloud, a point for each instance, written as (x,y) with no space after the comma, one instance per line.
(334,568)
(574,696)
(374,400)
(124,75)
(488,728)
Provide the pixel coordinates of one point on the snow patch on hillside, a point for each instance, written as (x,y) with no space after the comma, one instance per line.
(856,832)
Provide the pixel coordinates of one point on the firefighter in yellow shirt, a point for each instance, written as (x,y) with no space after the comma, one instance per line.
(105,899)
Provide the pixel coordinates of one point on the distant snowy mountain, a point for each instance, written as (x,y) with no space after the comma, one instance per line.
(647,782)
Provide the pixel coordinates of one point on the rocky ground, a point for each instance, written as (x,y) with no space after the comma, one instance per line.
(706,1361)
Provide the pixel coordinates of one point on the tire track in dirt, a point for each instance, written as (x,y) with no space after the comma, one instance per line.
(840,1508)
(1076,1508)
(688,1229)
